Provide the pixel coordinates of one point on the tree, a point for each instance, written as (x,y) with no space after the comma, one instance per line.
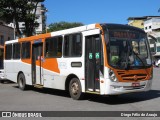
(63,25)
(20,11)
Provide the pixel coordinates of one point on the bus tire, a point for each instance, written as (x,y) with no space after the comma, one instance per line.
(75,89)
(22,82)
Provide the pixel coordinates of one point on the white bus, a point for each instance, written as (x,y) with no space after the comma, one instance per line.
(104,59)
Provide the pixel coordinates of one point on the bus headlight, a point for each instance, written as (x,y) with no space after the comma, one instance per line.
(112,76)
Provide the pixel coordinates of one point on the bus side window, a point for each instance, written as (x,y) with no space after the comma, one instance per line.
(26,48)
(53,47)
(16,51)
(73,45)
(8,52)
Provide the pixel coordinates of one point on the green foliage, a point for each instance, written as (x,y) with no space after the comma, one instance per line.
(114,59)
(20,11)
(62,25)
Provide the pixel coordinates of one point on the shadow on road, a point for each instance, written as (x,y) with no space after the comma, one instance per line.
(126,98)
(48,91)
(121,99)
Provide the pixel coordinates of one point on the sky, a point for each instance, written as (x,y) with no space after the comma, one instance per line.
(99,11)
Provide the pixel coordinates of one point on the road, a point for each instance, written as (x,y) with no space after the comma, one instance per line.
(34,99)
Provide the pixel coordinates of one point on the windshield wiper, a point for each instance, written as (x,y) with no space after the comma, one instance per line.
(139,59)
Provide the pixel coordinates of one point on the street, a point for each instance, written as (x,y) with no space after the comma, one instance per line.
(34,99)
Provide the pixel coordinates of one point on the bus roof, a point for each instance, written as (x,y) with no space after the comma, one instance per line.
(74,30)
(61,32)
(121,26)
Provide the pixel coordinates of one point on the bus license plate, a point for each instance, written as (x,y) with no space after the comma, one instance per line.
(135,84)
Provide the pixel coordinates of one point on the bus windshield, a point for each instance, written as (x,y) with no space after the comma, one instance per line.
(128,49)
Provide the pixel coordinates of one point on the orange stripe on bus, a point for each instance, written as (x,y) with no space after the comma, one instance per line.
(32,38)
(49,64)
(104,45)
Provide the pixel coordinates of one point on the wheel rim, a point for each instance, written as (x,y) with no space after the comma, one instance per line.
(21,82)
(75,88)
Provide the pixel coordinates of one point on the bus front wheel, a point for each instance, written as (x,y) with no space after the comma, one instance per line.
(22,82)
(75,89)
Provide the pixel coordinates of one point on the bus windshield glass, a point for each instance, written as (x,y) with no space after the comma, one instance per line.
(128,49)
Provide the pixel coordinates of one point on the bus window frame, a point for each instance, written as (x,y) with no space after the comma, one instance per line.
(81,38)
(22,50)
(45,54)
(7,52)
(19,51)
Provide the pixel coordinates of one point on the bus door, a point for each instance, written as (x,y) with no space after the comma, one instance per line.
(93,60)
(37,52)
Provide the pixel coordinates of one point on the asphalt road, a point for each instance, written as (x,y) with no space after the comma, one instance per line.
(34,99)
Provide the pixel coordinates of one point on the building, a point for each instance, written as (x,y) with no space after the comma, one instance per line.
(40,14)
(6,33)
(151,25)
(144,22)
(41,10)
(136,21)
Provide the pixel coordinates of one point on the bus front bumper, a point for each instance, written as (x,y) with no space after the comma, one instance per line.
(127,87)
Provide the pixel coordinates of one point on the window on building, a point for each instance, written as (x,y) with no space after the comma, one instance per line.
(158,48)
(16,51)
(2,40)
(8,51)
(26,47)
(73,45)
(145,28)
(53,47)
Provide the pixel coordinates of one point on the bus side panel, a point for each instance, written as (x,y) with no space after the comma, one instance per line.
(13,68)
(26,69)
(57,80)
(9,71)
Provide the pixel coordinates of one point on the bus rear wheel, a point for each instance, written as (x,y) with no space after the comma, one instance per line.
(75,89)
(22,82)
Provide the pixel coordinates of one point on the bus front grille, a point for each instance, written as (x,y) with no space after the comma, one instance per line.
(134,77)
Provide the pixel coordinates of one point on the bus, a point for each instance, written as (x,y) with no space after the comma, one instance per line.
(103,59)
(1,64)
(154,41)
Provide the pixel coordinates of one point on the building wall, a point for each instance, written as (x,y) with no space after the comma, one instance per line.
(137,23)
(151,24)
(6,33)
(39,20)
